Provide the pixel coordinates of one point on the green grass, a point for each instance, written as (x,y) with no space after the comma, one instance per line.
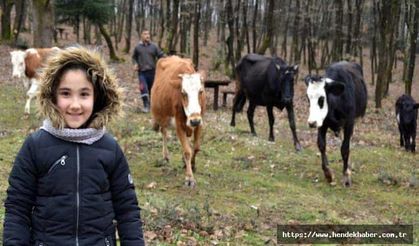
(246,185)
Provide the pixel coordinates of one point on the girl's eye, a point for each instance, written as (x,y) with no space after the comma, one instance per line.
(64,93)
(85,94)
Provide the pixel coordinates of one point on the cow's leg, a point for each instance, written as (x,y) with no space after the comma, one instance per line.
(31,94)
(401,136)
(406,141)
(196,145)
(26,82)
(165,149)
(291,121)
(413,143)
(250,114)
(344,150)
(321,143)
(237,106)
(187,154)
(271,118)
(28,105)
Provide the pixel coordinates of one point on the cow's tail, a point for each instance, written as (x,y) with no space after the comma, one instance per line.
(239,101)
(240,97)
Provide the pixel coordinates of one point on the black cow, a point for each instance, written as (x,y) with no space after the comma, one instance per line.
(265,81)
(335,101)
(407,114)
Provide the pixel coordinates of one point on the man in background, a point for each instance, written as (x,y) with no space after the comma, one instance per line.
(145,58)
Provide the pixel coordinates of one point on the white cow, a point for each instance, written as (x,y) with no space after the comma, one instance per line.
(26,65)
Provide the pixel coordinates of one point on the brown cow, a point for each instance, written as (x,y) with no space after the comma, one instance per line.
(26,65)
(178,93)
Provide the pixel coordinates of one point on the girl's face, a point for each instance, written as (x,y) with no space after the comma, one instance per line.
(75,98)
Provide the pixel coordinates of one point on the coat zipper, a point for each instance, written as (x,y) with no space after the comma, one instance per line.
(78,196)
(60,161)
(107,243)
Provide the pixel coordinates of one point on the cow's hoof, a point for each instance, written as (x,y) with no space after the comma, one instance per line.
(162,162)
(233,124)
(271,139)
(347,182)
(254,134)
(328,174)
(190,182)
(298,147)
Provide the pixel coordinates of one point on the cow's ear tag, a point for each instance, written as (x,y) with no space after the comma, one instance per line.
(277,67)
(295,67)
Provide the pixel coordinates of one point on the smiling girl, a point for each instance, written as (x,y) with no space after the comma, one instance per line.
(70,183)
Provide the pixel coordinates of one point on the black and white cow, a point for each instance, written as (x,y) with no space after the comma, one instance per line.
(407,114)
(265,81)
(335,101)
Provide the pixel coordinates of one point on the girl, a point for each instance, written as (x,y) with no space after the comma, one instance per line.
(70,180)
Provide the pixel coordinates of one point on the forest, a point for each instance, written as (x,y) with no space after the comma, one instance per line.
(312,32)
(246,185)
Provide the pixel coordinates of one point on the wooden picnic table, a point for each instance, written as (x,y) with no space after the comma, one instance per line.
(216,84)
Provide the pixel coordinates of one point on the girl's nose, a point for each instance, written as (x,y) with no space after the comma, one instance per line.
(75,103)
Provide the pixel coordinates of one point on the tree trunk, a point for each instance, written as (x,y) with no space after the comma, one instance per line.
(98,36)
(295,38)
(20,18)
(6,9)
(207,21)
(285,33)
(128,27)
(413,29)
(356,41)
(107,37)
(349,32)
(162,21)
(171,44)
(387,12)
(86,31)
(254,32)
(246,27)
(230,40)
(195,57)
(239,38)
(337,47)
(43,23)
(269,27)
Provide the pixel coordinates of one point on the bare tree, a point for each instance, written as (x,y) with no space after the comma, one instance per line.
(43,24)
(128,27)
(195,57)
(6,8)
(387,15)
(269,27)
(413,27)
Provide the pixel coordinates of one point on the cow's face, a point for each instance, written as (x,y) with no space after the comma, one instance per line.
(318,91)
(287,83)
(18,63)
(408,112)
(192,90)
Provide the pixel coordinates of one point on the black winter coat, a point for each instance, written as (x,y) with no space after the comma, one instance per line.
(64,193)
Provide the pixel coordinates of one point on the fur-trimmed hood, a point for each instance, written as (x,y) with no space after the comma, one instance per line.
(104,82)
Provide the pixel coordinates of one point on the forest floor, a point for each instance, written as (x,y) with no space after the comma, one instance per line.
(246,185)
